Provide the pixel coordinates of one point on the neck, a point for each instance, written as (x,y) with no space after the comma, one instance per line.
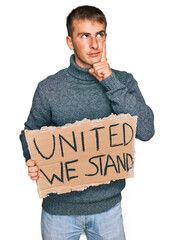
(78,72)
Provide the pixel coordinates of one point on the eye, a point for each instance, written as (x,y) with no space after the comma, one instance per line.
(100,35)
(85,36)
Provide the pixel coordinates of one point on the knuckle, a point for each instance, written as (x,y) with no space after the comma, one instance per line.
(34,174)
(30,163)
(29,169)
(33,169)
(96,71)
(34,178)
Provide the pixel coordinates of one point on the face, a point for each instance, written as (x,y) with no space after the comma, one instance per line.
(87,42)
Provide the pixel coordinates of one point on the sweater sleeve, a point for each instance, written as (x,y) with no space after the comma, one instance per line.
(39,116)
(125,97)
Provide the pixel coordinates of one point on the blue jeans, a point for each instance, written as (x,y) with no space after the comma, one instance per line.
(106,226)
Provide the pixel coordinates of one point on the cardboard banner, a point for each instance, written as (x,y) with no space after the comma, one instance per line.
(86,153)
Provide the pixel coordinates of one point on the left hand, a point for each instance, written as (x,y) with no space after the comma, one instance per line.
(101,70)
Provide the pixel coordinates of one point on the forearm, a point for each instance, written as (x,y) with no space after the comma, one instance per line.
(128,99)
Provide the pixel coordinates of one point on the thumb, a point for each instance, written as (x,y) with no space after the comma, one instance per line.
(91,71)
(98,77)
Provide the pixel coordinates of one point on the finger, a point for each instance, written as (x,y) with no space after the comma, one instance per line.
(34,178)
(92,72)
(95,75)
(100,64)
(98,77)
(100,68)
(35,174)
(33,169)
(30,163)
(103,59)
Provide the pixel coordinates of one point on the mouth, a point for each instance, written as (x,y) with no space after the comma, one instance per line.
(94,54)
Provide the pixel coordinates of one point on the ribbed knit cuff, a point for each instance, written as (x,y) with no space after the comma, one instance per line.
(111,82)
(26,152)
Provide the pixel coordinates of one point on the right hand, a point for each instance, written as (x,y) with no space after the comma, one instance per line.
(101,70)
(32,169)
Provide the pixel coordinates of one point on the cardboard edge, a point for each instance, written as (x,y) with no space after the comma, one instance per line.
(113,117)
(59,190)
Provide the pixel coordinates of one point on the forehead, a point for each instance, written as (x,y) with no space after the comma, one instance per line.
(89,26)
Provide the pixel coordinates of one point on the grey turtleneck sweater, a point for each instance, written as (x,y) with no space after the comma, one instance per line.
(74,94)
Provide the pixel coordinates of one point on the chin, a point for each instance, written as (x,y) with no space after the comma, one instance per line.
(96,60)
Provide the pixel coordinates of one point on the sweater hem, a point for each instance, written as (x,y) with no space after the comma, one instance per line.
(55,208)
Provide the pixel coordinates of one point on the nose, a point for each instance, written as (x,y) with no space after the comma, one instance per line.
(94,43)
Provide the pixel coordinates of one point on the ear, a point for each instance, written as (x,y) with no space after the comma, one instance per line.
(69,43)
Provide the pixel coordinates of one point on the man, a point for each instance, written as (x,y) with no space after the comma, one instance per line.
(88,88)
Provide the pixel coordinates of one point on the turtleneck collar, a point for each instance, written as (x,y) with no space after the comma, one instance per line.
(78,72)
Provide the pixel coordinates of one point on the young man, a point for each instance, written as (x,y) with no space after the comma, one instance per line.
(88,88)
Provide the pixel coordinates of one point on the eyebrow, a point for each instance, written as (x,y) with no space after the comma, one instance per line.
(83,33)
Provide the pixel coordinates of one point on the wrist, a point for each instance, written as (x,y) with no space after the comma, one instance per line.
(111,82)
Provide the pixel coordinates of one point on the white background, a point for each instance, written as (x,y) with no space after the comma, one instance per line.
(140,41)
